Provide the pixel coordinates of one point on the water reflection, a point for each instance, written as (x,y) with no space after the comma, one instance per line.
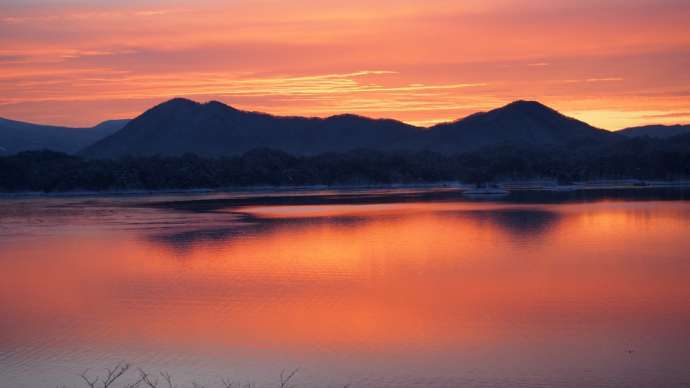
(530,223)
(518,221)
(384,294)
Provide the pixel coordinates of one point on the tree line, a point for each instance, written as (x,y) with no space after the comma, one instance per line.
(641,158)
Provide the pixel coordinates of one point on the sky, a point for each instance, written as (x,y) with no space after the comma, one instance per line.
(612,63)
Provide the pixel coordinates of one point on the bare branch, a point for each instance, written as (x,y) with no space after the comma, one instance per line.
(227,383)
(114,374)
(286,377)
(87,381)
(135,384)
(146,379)
(168,379)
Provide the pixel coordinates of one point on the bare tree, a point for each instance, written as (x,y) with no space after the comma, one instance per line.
(227,383)
(147,379)
(135,384)
(112,375)
(168,379)
(91,383)
(286,377)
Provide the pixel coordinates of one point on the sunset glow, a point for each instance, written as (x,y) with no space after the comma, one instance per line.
(341,260)
(611,63)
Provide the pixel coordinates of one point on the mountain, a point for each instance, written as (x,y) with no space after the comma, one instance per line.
(660,131)
(17,136)
(183,126)
(109,127)
(520,123)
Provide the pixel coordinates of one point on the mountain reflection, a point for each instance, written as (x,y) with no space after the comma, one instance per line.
(518,222)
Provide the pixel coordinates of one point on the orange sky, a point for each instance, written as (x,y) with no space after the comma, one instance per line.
(613,63)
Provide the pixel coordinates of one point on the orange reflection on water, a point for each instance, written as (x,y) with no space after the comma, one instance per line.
(363,279)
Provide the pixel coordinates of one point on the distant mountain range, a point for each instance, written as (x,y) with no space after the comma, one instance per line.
(657,131)
(213,129)
(16,136)
(182,126)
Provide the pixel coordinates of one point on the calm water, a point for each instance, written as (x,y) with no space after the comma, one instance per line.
(374,292)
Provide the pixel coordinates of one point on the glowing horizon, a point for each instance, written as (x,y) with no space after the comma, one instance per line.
(612,64)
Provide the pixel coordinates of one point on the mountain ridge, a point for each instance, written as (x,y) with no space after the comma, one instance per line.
(521,122)
(655,130)
(17,136)
(212,128)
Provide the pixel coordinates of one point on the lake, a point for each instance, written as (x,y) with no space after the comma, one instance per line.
(382,288)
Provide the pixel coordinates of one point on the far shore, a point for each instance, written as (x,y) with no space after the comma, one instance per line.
(537,185)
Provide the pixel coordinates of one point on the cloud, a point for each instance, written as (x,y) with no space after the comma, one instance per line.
(159,12)
(611,79)
(589,80)
(98,83)
(667,115)
(11,59)
(66,15)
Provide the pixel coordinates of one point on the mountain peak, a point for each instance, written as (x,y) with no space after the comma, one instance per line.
(519,109)
(178,102)
(510,111)
(526,105)
(185,103)
(346,116)
(522,122)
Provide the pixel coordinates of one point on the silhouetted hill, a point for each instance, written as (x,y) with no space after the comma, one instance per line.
(660,131)
(520,123)
(109,127)
(182,126)
(17,136)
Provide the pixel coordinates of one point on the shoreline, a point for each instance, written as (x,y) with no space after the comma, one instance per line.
(511,186)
